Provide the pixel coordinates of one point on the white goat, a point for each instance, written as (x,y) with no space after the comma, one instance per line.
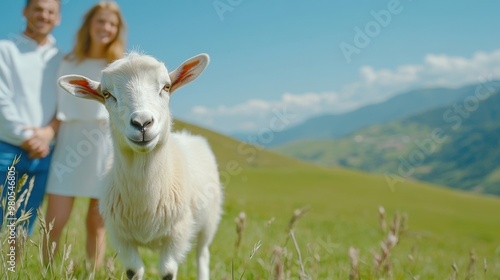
(163,189)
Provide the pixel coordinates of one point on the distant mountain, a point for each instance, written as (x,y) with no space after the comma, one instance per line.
(456,145)
(398,107)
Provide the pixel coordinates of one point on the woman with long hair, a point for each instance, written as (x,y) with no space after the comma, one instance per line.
(83,148)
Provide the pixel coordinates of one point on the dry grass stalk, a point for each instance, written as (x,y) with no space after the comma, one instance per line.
(30,188)
(22,182)
(472,263)
(454,273)
(382,260)
(20,199)
(70,269)
(46,255)
(485,266)
(396,225)
(21,238)
(110,266)
(278,269)
(303,274)
(412,254)
(403,226)
(25,215)
(382,219)
(256,247)
(66,252)
(271,221)
(399,224)
(240,226)
(297,214)
(354,260)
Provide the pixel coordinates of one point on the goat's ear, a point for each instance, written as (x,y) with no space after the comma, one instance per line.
(188,71)
(81,86)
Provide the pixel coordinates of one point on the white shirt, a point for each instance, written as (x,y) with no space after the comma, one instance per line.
(28,94)
(72,108)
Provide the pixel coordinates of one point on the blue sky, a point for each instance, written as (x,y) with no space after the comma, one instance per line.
(286,56)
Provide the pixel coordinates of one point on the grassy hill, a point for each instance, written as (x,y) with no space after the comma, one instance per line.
(437,228)
(467,157)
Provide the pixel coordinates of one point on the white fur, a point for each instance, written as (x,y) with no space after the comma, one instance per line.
(162,192)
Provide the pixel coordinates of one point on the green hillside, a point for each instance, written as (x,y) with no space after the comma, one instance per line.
(438,227)
(457,146)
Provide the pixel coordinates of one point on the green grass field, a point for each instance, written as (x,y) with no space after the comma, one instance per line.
(442,234)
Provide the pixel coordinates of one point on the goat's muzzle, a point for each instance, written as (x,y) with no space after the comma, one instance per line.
(142,134)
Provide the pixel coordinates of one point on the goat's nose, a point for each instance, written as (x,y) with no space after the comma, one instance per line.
(141,121)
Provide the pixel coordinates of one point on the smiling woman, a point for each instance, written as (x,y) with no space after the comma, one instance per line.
(101,34)
(83,145)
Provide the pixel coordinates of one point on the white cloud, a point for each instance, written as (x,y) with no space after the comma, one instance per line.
(374,85)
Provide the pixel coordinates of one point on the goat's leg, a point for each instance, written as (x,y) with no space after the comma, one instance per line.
(173,253)
(131,260)
(205,237)
(168,264)
(203,257)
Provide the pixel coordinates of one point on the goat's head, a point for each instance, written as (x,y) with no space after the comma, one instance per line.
(136,91)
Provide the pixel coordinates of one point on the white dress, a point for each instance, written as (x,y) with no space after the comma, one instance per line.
(83,150)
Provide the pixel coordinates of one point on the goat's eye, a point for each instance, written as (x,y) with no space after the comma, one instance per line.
(106,94)
(166,88)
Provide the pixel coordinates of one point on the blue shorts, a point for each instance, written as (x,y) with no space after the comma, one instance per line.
(10,176)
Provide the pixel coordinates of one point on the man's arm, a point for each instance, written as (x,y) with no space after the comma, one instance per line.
(11,125)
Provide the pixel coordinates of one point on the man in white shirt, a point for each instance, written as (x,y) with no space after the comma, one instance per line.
(28,66)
